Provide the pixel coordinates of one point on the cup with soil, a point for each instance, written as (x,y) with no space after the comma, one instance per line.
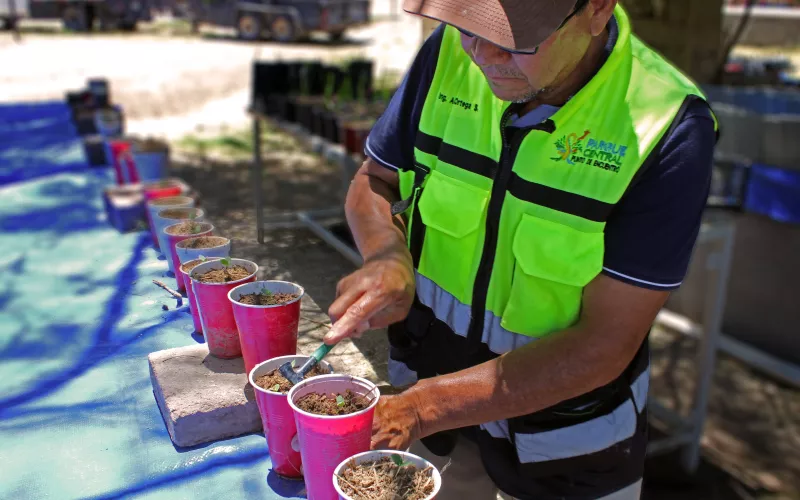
(267,314)
(386,474)
(271,390)
(151,157)
(165,188)
(185,270)
(333,414)
(168,217)
(177,233)
(201,246)
(156,205)
(211,282)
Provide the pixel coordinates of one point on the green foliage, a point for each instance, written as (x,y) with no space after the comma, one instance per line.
(225,262)
(340,401)
(265,292)
(276,388)
(203,258)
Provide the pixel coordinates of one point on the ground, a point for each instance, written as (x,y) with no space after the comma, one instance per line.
(194,90)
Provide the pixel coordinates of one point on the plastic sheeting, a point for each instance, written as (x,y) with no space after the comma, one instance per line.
(78,316)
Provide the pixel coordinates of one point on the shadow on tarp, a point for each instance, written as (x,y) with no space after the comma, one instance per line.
(68,207)
(38,140)
(101,348)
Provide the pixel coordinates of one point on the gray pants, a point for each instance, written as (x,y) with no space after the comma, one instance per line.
(465,477)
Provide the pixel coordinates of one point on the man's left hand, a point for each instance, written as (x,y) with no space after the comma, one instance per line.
(396,423)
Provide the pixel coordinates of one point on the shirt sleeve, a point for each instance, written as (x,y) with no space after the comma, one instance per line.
(391,140)
(651,233)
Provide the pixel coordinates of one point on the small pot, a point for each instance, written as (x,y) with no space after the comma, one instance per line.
(156,205)
(221,248)
(119,151)
(216,313)
(173,236)
(198,326)
(278,419)
(165,189)
(327,440)
(169,217)
(371,456)
(124,207)
(266,332)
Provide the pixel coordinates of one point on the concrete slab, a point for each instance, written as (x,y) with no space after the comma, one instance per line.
(205,399)
(202,398)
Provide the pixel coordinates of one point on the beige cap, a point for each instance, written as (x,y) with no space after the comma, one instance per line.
(511,24)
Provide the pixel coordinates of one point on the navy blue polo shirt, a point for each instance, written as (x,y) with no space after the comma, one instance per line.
(651,232)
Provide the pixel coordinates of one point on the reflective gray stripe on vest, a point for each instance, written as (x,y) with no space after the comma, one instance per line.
(456,315)
(581,439)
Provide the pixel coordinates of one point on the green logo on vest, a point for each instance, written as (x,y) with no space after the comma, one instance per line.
(600,154)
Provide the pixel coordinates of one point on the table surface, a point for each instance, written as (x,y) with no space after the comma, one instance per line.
(78,315)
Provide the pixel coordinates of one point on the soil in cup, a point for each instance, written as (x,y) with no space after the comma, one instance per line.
(177,213)
(224,275)
(267,298)
(275,382)
(332,404)
(190,265)
(389,478)
(188,228)
(202,242)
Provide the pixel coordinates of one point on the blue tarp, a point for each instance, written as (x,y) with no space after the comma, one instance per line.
(78,316)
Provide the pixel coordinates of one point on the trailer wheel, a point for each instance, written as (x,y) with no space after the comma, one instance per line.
(282,29)
(249,26)
(74,18)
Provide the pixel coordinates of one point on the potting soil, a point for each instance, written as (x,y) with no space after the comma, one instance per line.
(191,265)
(267,299)
(188,228)
(384,479)
(177,213)
(275,382)
(224,275)
(79,316)
(331,404)
(202,242)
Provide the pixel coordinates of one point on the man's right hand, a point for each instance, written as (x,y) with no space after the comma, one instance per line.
(375,296)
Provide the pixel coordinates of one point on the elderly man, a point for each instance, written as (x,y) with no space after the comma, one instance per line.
(532,195)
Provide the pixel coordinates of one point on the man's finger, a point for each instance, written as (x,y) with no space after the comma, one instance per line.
(355,316)
(343,302)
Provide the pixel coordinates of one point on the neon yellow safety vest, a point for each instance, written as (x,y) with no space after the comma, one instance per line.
(509,232)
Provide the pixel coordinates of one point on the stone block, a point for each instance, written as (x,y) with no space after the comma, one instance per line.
(202,398)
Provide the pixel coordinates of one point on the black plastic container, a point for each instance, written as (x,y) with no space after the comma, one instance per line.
(100,92)
(360,74)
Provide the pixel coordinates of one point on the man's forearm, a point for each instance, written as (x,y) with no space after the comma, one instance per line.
(368,211)
(531,378)
(614,322)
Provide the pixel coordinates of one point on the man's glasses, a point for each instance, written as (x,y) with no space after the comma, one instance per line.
(578,7)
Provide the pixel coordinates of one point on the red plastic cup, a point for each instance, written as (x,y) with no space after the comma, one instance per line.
(278,419)
(158,204)
(206,229)
(266,332)
(216,313)
(327,440)
(198,326)
(164,189)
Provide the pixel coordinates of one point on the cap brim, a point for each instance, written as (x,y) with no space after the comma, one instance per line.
(511,24)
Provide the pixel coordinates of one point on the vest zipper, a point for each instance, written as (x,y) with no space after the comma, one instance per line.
(497,197)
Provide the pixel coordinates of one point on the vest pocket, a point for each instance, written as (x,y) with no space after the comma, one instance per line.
(553,263)
(452,212)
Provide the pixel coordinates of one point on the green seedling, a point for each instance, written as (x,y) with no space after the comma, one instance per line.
(265,292)
(398,460)
(340,401)
(226,262)
(293,363)
(202,258)
(276,388)
(195,228)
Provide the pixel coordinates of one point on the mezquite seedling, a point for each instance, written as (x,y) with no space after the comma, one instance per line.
(398,461)
(276,388)
(340,401)
(226,263)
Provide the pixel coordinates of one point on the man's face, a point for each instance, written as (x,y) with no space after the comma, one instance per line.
(519,77)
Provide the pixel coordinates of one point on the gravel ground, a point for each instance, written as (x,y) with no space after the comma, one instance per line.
(170,86)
